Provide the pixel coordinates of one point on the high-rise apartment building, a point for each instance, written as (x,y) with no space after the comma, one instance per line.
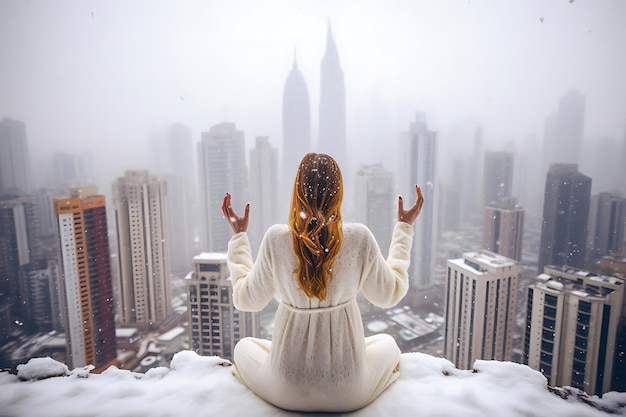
(222,155)
(145,294)
(572,318)
(607,224)
(565,215)
(215,325)
(376,202)
(263,190)
(20,246)
(480,300)
(86,283)
(497,176)
(503,224)
(296,124)
(15,175)
(332,110)
(422,161)
(39,287)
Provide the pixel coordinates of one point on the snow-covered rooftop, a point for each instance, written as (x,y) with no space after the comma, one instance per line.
(195,385)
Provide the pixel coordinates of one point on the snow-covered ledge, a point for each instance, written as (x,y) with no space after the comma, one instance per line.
(196,385)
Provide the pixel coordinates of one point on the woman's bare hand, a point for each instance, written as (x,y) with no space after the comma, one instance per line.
(411,214)
(238,224)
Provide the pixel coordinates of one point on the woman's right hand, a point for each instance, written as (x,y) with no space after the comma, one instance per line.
(409,215)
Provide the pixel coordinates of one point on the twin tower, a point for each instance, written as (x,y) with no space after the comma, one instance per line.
(332,113)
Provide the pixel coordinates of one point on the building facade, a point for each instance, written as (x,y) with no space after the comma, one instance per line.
(263,190)
(422,162)
(607,224)
(222,154)
(215,325)
(375,202)
(565,216)
(15,175)
(480,301)
(572,317)
(503,225)
(86,282)
(145,294)
(497,176)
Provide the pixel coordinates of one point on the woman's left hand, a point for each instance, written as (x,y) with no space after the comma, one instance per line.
(238,224)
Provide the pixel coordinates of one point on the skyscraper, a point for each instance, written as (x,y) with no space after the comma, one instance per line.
(15,175)
(215,324)
(86,283)
(222,155)
(376,202)
(296,124)
(480,298)
(332,111)
(145,291)
(503,224)
(497,176)
(422,160)
(263,190)
(565,216)
(20,246)
(571,323)
(607,221)
(563,133)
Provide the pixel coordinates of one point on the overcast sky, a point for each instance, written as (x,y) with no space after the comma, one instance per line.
(106,73)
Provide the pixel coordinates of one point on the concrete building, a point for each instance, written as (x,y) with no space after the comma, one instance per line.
(503,224)
(480,300)
(145,294)
(563,134)
(263,190)
(421,155)
(222,154)
(215,325)
(565,216)
(15,175)
(86,284)
(376,202)
(572,317)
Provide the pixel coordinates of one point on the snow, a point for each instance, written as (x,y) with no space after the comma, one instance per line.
(197,385)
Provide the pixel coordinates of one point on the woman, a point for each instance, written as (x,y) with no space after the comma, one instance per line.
(318,359)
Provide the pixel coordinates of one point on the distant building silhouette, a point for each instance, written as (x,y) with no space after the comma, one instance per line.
(376,202)
(86,283)
(607,224)
(332,110)
(421,157)
(563,132)
(20,246)
(565,215)
(15,175)
(263,189)
(480,300)
(452,206)
(215,325)
(145,294)
(222,156)
(71,170)
(296,124)
(503,225)
(497,176)
(572,317)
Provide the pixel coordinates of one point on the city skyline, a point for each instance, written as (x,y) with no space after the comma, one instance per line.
(502,67)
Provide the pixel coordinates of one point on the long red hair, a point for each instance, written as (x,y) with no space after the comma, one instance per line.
(315,221)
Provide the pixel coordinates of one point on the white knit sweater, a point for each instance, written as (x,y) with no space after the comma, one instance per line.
(319,359)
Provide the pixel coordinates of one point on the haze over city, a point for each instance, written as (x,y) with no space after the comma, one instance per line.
(108,77)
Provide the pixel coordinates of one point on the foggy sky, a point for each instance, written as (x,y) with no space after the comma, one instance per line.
(107,76)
